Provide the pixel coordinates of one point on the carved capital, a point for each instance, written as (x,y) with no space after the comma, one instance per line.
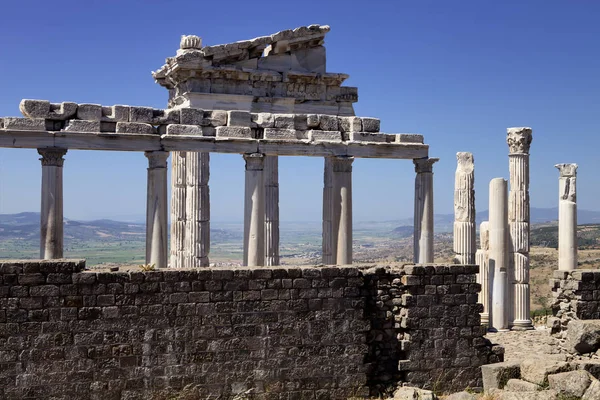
(342,164)
(157,159)
(484,235)
(464,161)
(190,42)
(254,161)
(424,164)
(519,140)
(567,170)
(52,157)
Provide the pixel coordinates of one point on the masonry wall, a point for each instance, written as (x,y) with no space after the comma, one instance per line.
(576,294)
(267,333)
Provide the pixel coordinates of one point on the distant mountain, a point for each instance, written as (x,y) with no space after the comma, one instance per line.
(403,231)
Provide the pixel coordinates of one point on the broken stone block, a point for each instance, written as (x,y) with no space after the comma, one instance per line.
(412,393)
(537,370)
(350,124)
(371,137)
(495,376)
(79,125)
(583,336)
(263,120)
(234,132)
(62,111)
(573,383)
(370,124)
(215,118)
(134,127)
(300,122)
(164,117)
(312,120)
(239,118)
(593,391)
(284,121)
(282,134)
(141,114)
(409,138)
(519,385)
(313,59)
(177,129)
(324,136)
(89,112)
(591,366)
(34,108)
(25,124)
(115,113)
(191,116)
(328,122)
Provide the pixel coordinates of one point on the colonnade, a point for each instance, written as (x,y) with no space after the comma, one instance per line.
(190,209)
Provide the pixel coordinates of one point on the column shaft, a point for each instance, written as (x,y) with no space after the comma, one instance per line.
(254,211)
(271,177)
(498,255)
(156,209)
(51,215)
(567,217)
(178,206)
(329,235)
(464,210)
(423,225)
(342,208)
(197,210)
(483,277)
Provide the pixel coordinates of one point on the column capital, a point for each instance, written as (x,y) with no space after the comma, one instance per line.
(424,164)
(567,170)
(465,161)
(342,164)
(519,140)
(254,161)
(157,159)
(52,156)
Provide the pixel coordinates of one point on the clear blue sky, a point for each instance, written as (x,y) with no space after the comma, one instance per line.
(459,72)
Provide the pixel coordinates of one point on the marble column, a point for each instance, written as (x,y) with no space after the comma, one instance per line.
(156,209)
(329,236)
(423,225)
(254,211)
(342,208)
(51,215)
(178,217)
(271,177)
(483,277)
(567,217)
(498,254)
(464,210)
(197,210)
(519,141)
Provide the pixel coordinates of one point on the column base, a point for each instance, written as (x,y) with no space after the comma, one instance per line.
(522,325)
(485,318)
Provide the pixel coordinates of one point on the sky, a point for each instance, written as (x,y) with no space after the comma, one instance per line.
(458,72)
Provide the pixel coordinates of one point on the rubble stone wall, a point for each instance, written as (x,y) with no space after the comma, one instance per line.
(576,294)
(268,333)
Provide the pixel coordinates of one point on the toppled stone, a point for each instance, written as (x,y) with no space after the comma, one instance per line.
(411,393)
(519,385)
(583,336)
(573,383)
(495,376)
(591,366)
(537,370)
(593,391)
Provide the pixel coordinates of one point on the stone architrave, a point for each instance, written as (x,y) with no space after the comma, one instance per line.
(197,210)
(423,225)
(519,141)
(342,208)
(51,215)
(498,254)
(156,209)
(567,217)
(271,177)
(464,210)
(483,278)
(254,211)
(329,236)
(178,216)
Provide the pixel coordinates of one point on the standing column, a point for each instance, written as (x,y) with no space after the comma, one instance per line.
(342,208)
(271,210)
(197,210)
(156,209)
(519,141)
(254,211)
(567,217)
(464,210)
(423,225)
(329,236)
(483,277)
(498,260)
(51,216)
(178,191)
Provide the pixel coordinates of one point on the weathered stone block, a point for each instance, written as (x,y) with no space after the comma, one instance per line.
(409,138)
(370,124)
(280,134)
(116,113)
(328,123)
(324,136)
(78,125)
(90,112)
(284,121)
(25,124)
(537,370)
(263,120)
(573,383)
(134,127)
(583,336)
(190,130)
(371,137)
(141,114)
(496,376)
(233,132)
(350,124)
(239,118)
(215,118)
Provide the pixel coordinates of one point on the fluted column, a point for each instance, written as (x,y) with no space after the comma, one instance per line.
(197,210)
(178,217)
(519,141)
(483,277)
(567,217)
(271,176)
(464,210)
(342,208)
(498,254)
(329,235)
(156,209)
(423,225)
(254,211)
(51,215)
